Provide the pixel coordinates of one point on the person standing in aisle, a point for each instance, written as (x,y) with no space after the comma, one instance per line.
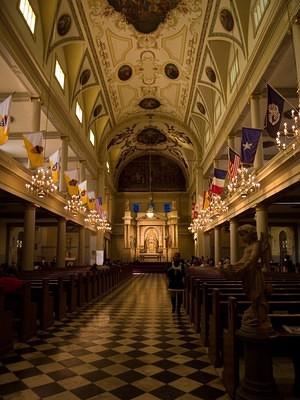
(176,274)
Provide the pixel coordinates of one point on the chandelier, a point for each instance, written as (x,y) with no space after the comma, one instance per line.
(290,133)
(74,205)
(217,206)
(41,183)
(103,225)
(201,222)
(244,183)
(92,218)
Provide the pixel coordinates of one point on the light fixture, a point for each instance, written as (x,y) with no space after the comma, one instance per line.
(103,225)
(41,183)
(74,205)
(93,218)
(290,134)
(201,222)
(150,211)
(217,206)
(244,183)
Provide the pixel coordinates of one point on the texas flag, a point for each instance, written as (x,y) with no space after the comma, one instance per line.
(250,139)
(218,181)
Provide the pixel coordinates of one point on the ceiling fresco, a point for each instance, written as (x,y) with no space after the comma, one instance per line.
(164,174)
(144,15)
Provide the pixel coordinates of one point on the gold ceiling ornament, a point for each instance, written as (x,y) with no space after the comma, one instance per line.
(290,133)
(41,183)
(74,205)
(244,183)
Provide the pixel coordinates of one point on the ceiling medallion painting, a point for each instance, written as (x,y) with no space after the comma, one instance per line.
(210,73)
(227,20)
(85,76)
(201,108)
(149,103)
(151,136)
(125,72)
(63,24)
(97,110)
(171,71)
(144,15)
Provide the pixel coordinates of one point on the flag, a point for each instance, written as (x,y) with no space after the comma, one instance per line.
(167,207)
(218,181)
(83,192)
(274,112)
(250,138)
(234,160)
(4,119)
(98,205)
(34,146)
(136,207)
(71,178)
(91,200)
(54,165)
(206,199)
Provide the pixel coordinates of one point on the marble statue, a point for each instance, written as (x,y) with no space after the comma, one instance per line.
(127,208)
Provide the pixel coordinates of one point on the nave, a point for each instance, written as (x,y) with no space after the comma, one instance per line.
(126,346)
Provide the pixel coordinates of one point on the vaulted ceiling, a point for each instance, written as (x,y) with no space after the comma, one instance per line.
(151,76)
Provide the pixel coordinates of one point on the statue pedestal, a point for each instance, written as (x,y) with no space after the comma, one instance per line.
(258,382)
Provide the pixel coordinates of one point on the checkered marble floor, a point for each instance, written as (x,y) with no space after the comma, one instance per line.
(127,346)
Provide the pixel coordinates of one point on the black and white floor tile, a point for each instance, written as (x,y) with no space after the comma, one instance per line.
(127,346)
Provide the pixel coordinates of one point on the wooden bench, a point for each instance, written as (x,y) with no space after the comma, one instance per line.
(289,345)
(6,323)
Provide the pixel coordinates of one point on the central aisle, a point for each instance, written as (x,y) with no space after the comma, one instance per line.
(127,346)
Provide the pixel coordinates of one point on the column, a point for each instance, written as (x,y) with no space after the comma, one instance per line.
(82,170)
(63,162)
(233,226)
(29,238)
(261,216)
(36,114)
(99,244)
(296,41)
(101,181)
(206,251)
(217,235)
(81,246)
(257,123)
(61,243)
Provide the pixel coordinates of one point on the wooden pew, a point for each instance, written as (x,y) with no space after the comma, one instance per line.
(45,302)
(288,344)
(218,320)
(6,323)
(57,289)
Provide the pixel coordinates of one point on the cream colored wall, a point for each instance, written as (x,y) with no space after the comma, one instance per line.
(185,240)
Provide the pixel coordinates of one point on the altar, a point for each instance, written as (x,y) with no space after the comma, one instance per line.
(151,240)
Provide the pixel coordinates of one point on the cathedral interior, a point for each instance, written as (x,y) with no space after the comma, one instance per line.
(123,141)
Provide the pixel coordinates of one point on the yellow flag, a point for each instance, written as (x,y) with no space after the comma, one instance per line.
(4,119)
(71,178)
(34,145)
(91,200)
(206,199)
(83,192)
(55,166)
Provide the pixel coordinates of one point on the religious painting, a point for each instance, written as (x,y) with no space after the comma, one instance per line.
(151,136)
(166,175)
(171,71)
(63,24)
(210,73)
(125,72)
(144,15)
(85,76)
(201,108)
(227,20)
(149,103)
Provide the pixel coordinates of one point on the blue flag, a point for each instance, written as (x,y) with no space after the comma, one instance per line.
(167,207)
(250,138)
(136,207)
(274,112)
